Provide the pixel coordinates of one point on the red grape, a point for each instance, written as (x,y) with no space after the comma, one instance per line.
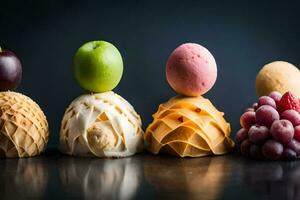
(241,135)
(291,115)
(271,128)
(247,119)
(272,150)
(10,70)
(255,151)
(289,154)
(265,100)
(282,131)
(276,96)
(295,146)
(297,133)
(245,147)
(255,106)
(258,134)
(266,115)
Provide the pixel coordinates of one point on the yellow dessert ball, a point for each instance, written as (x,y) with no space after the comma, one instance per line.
(278,76)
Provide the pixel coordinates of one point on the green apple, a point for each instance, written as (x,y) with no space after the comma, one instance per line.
(98,66)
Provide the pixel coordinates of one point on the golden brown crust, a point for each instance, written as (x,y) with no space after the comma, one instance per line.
(23,126)
(188,127)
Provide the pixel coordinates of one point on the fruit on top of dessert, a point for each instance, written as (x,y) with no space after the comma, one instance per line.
(188,127)
(98,66)
(278,76)
(101,125)
(271,131)
(10,70)
(191,70)
(24,127)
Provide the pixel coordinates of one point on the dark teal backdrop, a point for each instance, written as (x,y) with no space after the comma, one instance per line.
(242,36)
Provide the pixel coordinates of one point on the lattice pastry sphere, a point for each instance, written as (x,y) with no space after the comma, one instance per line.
(23,126)
(102,125)
(188,126)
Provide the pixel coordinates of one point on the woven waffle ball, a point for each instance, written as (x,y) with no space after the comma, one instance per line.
(102,125)
(23,126)
(188,127)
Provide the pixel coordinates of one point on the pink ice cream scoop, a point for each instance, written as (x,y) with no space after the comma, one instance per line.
(191,70)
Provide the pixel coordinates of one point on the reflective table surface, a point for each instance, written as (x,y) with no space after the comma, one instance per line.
(145,176)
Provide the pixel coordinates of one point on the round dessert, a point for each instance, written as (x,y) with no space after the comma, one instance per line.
(191,70)
(278,76)
(98,66)
(24,128)
(271,129)
(102,125)
(10,70)
(188,127)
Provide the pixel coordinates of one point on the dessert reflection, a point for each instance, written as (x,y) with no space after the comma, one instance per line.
(100,178)
(192,178)
(26,178)
(276,180)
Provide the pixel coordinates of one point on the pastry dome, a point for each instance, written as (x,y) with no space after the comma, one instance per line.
(188,127)
(23,126)
(102,125)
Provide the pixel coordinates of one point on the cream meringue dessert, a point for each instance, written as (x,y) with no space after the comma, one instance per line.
(101,125)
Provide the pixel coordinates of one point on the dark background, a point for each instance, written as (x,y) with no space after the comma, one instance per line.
(242,36)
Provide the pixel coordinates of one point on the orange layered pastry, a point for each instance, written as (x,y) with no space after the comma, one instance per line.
(188,127)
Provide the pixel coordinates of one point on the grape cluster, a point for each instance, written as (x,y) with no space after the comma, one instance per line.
(271,128)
